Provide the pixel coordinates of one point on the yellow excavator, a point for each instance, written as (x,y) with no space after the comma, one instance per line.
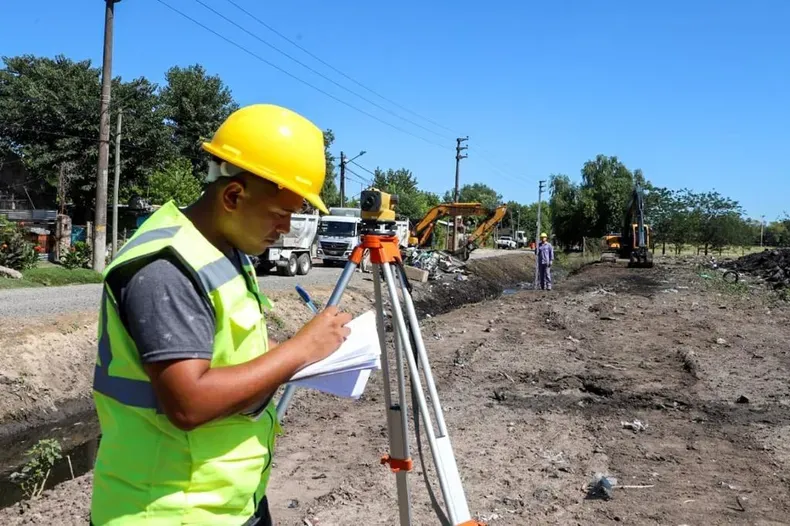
(421,234)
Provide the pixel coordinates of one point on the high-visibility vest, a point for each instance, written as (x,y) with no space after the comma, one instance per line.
(147,470)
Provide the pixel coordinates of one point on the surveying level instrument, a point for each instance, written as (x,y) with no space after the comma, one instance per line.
(380,240)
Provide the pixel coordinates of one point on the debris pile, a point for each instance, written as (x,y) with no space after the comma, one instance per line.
(435,262)
(773,266)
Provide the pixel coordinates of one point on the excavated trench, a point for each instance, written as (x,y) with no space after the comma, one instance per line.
(77,429)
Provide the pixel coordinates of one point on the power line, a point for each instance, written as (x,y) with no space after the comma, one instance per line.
(295,44)
(336,70)
(359,179)
(286,72)
(483,153)
(362,167)
(515,178)
(283,53)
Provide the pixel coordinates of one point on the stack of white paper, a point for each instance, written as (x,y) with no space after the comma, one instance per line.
(346,371)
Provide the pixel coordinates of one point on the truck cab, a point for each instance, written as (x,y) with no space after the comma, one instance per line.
(338,234)
(521,239)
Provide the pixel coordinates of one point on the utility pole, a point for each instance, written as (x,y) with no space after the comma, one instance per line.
(100,220)
(342,179)
(518,225)
(458,157)
(540,199)
(762,229)
(61,190)
(116,184)
(537,232)
(343,162)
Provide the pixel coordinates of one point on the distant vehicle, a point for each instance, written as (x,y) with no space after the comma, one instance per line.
(506,242)
(519,236)
(293,252)
(338,234)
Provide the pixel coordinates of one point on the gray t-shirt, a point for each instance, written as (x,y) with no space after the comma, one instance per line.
(165,314)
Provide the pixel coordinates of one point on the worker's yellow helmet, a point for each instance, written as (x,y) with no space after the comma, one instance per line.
(543,234)
(277,144)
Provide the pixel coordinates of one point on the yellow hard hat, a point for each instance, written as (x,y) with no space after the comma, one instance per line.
(277,144)
(543,234)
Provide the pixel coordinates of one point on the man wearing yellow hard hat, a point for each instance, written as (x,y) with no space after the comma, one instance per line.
(545,254)
(185,372)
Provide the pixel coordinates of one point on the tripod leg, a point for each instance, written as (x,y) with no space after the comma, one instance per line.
(334,299)
(457,500)
(397,414)
(452,490)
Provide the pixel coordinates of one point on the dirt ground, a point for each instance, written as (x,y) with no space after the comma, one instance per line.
(541,391)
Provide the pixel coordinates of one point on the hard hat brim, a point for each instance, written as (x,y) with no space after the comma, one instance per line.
(289,184)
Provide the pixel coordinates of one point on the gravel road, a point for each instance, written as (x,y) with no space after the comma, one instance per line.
(44,301)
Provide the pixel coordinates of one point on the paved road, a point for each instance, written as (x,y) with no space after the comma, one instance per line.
(16,303)
(44,301)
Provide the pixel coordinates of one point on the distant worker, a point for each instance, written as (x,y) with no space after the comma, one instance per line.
(545,259)
(185,373)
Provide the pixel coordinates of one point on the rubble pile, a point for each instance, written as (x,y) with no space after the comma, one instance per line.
(435,262)
(772,266)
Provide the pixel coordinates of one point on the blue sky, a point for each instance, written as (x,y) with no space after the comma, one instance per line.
(695,93)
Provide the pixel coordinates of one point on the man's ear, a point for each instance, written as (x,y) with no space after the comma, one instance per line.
(233,193)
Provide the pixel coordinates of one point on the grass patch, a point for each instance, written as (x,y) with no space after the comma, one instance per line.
(574,261)
(48,275)
(712,281)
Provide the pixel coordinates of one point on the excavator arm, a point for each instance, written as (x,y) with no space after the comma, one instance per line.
(422,232)
(635,244)
(486,227)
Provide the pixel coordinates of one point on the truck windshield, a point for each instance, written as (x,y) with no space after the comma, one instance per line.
(337,228)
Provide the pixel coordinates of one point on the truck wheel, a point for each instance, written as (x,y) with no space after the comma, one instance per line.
(304,264)
(290,268)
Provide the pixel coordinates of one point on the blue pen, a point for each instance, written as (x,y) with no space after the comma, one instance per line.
(306,298)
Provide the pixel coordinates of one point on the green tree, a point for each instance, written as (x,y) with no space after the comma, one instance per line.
(329,192)
(48,115)
(525,217)
(49,110)
(660,205)
(476,193)
(145,139)
(413,203)
(714,215)
(777,233)
(175,181)
(573,211)
(195,104)
(609,184)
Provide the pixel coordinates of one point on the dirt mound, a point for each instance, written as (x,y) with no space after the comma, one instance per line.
(773,266)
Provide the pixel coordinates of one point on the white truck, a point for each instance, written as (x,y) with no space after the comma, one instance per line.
(518,236)
(506,242)
(293,252)
(339,232)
